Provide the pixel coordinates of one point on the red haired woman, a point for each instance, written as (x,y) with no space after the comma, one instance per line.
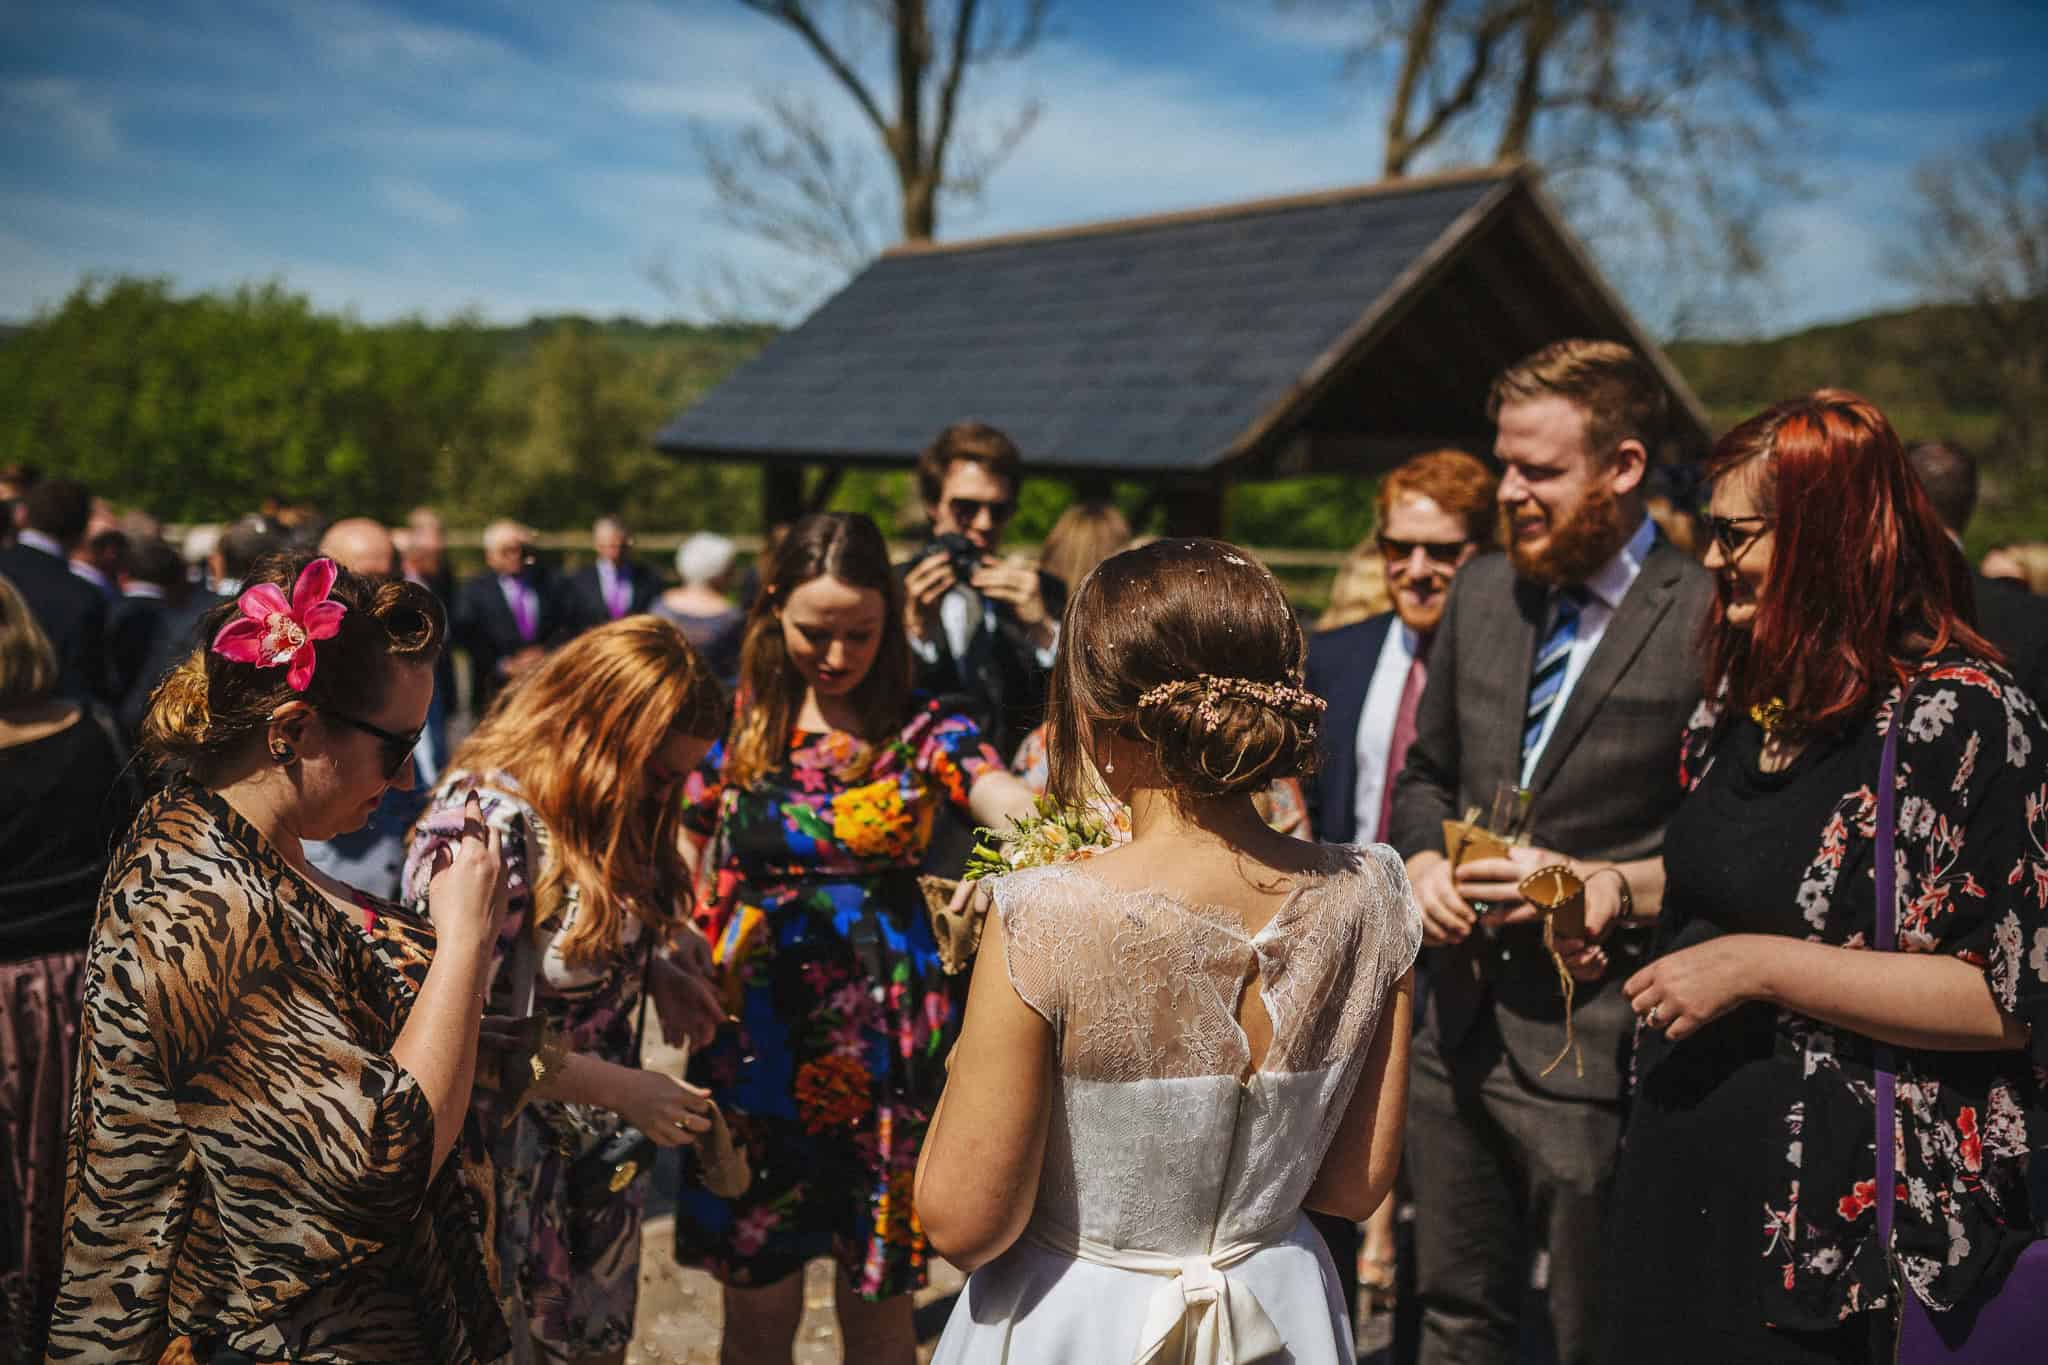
(1844,609)
(578,768)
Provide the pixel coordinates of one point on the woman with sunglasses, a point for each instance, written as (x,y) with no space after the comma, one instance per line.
(1744,1220)
(275,1067)
(577,770)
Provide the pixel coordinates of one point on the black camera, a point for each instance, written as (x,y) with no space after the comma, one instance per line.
(963,554)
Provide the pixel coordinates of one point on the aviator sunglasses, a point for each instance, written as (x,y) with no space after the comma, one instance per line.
(1443,553)
(965,510)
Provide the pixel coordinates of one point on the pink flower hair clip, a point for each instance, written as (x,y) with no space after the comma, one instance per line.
(274,633)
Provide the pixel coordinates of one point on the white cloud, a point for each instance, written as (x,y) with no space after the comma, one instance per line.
(83,122)
(418,203)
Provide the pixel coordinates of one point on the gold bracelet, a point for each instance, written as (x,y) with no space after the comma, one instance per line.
(549,1058)
(1628,897)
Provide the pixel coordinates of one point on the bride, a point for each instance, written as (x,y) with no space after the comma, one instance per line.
(1172,1049)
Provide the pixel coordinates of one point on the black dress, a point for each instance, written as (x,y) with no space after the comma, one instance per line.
(1744,1223)
(1693,1181)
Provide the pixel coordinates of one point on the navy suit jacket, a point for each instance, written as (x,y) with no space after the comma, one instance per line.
(71,611)
(583,605)
(1340,668)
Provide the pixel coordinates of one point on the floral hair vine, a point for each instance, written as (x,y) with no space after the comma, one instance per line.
(274,633)
(1276,695)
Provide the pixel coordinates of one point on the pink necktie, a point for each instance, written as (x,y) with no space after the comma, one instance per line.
(617,597)
(1404,733)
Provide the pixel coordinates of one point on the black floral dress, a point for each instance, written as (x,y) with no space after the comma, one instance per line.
(831,1073)
(1744,1213)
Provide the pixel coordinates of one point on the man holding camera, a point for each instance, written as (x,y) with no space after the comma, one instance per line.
(983,628)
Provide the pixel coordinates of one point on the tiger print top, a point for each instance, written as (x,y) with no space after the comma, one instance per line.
(249,1168)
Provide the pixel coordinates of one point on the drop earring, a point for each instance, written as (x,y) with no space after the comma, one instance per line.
(1109,765)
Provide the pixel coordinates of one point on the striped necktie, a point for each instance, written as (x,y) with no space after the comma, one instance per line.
(1553,657)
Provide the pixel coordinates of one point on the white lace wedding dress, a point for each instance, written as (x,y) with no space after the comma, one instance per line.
(1168,1225)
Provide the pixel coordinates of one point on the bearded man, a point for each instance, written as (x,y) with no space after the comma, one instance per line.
(1564,667)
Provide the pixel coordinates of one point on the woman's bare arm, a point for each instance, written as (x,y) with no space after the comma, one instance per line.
(1358,1170)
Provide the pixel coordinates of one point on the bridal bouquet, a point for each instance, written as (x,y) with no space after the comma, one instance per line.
(1052,833)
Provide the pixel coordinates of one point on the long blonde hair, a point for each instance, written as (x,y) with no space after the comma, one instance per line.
(578,734)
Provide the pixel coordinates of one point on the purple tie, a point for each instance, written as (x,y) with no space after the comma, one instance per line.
(522,607)
(617,596)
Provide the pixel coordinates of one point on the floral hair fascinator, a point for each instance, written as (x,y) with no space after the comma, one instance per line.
(274,633)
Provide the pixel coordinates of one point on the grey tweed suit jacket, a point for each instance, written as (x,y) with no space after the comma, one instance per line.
(1605,787)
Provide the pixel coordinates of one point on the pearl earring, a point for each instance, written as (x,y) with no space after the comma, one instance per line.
(1109,765)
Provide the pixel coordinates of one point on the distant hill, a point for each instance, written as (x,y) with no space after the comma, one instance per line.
(1885,357)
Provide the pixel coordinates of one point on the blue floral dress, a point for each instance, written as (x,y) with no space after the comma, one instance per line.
(830,1074)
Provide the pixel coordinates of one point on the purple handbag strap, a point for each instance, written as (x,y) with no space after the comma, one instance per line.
(1887,940)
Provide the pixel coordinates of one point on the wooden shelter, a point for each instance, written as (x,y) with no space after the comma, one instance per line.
(1331,332)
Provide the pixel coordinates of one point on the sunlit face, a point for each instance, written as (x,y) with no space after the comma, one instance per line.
(1423,547)
(1739,545)
(609,542)
(833,631)
(344,771)
(973,503)
(1557,495)
(676,759)
(507,555)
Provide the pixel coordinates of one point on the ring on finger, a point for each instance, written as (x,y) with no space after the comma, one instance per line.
(1652,1018)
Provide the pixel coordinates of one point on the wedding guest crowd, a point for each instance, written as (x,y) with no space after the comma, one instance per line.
(346,1029)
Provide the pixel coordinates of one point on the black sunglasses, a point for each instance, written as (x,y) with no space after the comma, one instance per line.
(397,748)
(965,510)
(1734,534)
(1440,552)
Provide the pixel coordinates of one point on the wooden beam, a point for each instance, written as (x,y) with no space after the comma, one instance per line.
(782,493)
(822,488)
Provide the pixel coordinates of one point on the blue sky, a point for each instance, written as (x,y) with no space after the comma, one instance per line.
(393,158)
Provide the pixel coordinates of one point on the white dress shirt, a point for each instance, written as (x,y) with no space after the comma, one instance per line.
(1605,589)
(1376,726)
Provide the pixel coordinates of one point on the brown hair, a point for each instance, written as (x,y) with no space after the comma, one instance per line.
(211,705)
(1086,534)
(1171,612)
(974,441)
(1863,582)
(578,734)
(842,545)
(1613,386)
(28,664)
(1459,483)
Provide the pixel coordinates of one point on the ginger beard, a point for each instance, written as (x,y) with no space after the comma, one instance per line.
(1575,548)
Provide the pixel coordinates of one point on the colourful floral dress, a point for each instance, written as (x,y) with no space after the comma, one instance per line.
(830,1075)
(570,1271)
(1744,1195)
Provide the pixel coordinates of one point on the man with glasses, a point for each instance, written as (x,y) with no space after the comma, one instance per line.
(506,616)
(1564,668)
(1433,513)
(983,628)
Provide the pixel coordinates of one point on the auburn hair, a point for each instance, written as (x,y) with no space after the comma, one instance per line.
(578,734)
(1457,482)
(1864,581)
(1612,385)
(1086,534)
(850,548)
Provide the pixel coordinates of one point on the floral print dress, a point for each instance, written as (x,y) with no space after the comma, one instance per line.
(831,1072)
(570,1277)
(1745,1191)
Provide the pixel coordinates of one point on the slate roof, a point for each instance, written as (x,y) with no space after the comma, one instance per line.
(1145,347)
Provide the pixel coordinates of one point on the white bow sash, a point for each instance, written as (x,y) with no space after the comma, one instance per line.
(1199,1315)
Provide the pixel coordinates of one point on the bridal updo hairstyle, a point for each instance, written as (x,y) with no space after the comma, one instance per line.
(1190,647)
(210,706)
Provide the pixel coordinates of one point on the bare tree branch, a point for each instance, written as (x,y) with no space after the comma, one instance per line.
(786,182)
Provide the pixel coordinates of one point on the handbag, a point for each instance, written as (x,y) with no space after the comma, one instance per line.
(611,1166)
(2011,1324)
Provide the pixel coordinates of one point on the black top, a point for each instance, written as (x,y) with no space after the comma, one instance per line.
(63,804)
